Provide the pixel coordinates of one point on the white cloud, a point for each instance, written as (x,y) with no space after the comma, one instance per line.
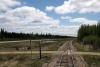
(83,21)
(49,8)
(7,4)
(72,30)
(29,19)
(66,17)
(81,6)
(53,29)
(27,15)
(60,30)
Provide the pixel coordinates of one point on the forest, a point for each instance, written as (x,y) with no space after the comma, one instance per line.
(5,36)
(90,34)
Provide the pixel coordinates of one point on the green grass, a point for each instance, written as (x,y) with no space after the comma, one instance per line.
(92,60)
(23,60)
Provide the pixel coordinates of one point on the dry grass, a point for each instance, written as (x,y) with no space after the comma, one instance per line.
(35,46)
(79,47)
(15,46)
(23,60)
(53,46)
(92,60)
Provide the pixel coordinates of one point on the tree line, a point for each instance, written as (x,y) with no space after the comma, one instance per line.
(90,34)
(4,35)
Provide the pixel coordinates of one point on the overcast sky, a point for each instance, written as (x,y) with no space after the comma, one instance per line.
(61,17)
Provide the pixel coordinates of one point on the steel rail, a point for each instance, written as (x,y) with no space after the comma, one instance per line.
(71,56)
(60,60)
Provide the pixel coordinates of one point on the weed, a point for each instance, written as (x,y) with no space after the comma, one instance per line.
(92,60)
(23,60)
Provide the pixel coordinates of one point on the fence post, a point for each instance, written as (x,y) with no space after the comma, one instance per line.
(40,48)
(31,49)
(83,45)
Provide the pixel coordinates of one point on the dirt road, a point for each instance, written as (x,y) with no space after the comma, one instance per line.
(57,52)
(27,52)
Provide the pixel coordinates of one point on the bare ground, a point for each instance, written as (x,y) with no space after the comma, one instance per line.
(79,61)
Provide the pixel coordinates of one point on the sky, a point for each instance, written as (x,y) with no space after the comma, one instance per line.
(58,17)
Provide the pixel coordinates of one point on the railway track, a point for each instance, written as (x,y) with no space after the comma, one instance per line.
(67,58)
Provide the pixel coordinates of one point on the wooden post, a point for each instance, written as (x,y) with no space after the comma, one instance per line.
(40,48)
(31,49)
(83,45)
